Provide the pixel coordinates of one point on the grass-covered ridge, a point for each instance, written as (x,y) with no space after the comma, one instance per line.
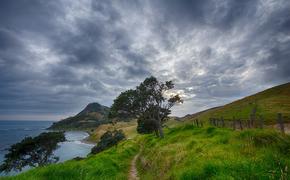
(111,164)
(269,103)
(188,152)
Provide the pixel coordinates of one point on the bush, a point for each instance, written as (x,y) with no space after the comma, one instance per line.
(109,139)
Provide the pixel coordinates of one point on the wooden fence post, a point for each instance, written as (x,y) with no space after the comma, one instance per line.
(223,122)
(234,123)
(281,123)
(251,120)
(253,115)
(261,122)
(249,123)
(241,125)
(211,121)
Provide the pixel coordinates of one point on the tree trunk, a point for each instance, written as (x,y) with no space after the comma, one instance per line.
(161,134)
(156,133)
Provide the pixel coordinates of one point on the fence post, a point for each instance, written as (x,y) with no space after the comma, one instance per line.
(253,115)
(261,122)
(223,122)
(241,125)
(234,123)
(249,123)
(281,123)
(211,121)
(197,123)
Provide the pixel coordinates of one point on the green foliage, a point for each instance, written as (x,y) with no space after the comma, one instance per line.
(146,103)
(32,152)
(108,139)
(145,126)
(113,163)
(124,105)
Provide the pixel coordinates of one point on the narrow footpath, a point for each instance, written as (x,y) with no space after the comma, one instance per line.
(133,173)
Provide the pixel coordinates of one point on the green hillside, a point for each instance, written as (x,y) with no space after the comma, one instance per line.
(91,116)
(111,164)
(189,152)
(268,103)
(186,152)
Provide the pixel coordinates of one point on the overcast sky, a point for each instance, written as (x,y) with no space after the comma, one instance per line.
(57,56)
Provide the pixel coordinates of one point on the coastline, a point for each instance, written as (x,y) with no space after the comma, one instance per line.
(88,141)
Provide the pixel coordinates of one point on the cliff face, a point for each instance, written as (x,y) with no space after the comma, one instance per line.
(93,115)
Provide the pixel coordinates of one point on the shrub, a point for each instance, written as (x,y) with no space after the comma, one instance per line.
(109,139)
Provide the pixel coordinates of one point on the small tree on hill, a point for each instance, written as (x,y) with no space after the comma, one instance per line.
(147,103)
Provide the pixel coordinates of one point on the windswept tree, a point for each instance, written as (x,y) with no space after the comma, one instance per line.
(32,151)
(148,104)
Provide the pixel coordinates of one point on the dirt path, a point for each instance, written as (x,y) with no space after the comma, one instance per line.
(133,173)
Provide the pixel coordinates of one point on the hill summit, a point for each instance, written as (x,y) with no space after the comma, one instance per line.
(93,115)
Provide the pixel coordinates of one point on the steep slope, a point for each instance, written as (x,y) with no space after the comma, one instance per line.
(268,103)
(92,116)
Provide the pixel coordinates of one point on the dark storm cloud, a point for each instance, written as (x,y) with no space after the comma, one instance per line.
(277,65)
(57,56)
(7,40)
(32,15)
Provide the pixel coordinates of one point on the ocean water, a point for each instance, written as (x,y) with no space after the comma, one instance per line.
(14,131)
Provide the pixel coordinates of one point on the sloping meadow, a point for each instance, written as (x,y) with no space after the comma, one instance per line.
(188,152)
(110,164)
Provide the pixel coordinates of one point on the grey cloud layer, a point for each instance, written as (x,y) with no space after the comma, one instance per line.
(57,56)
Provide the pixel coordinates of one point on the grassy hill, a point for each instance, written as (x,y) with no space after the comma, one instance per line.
(186,152)
(91,116)
(189,152)
(110,164)
(269,103)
